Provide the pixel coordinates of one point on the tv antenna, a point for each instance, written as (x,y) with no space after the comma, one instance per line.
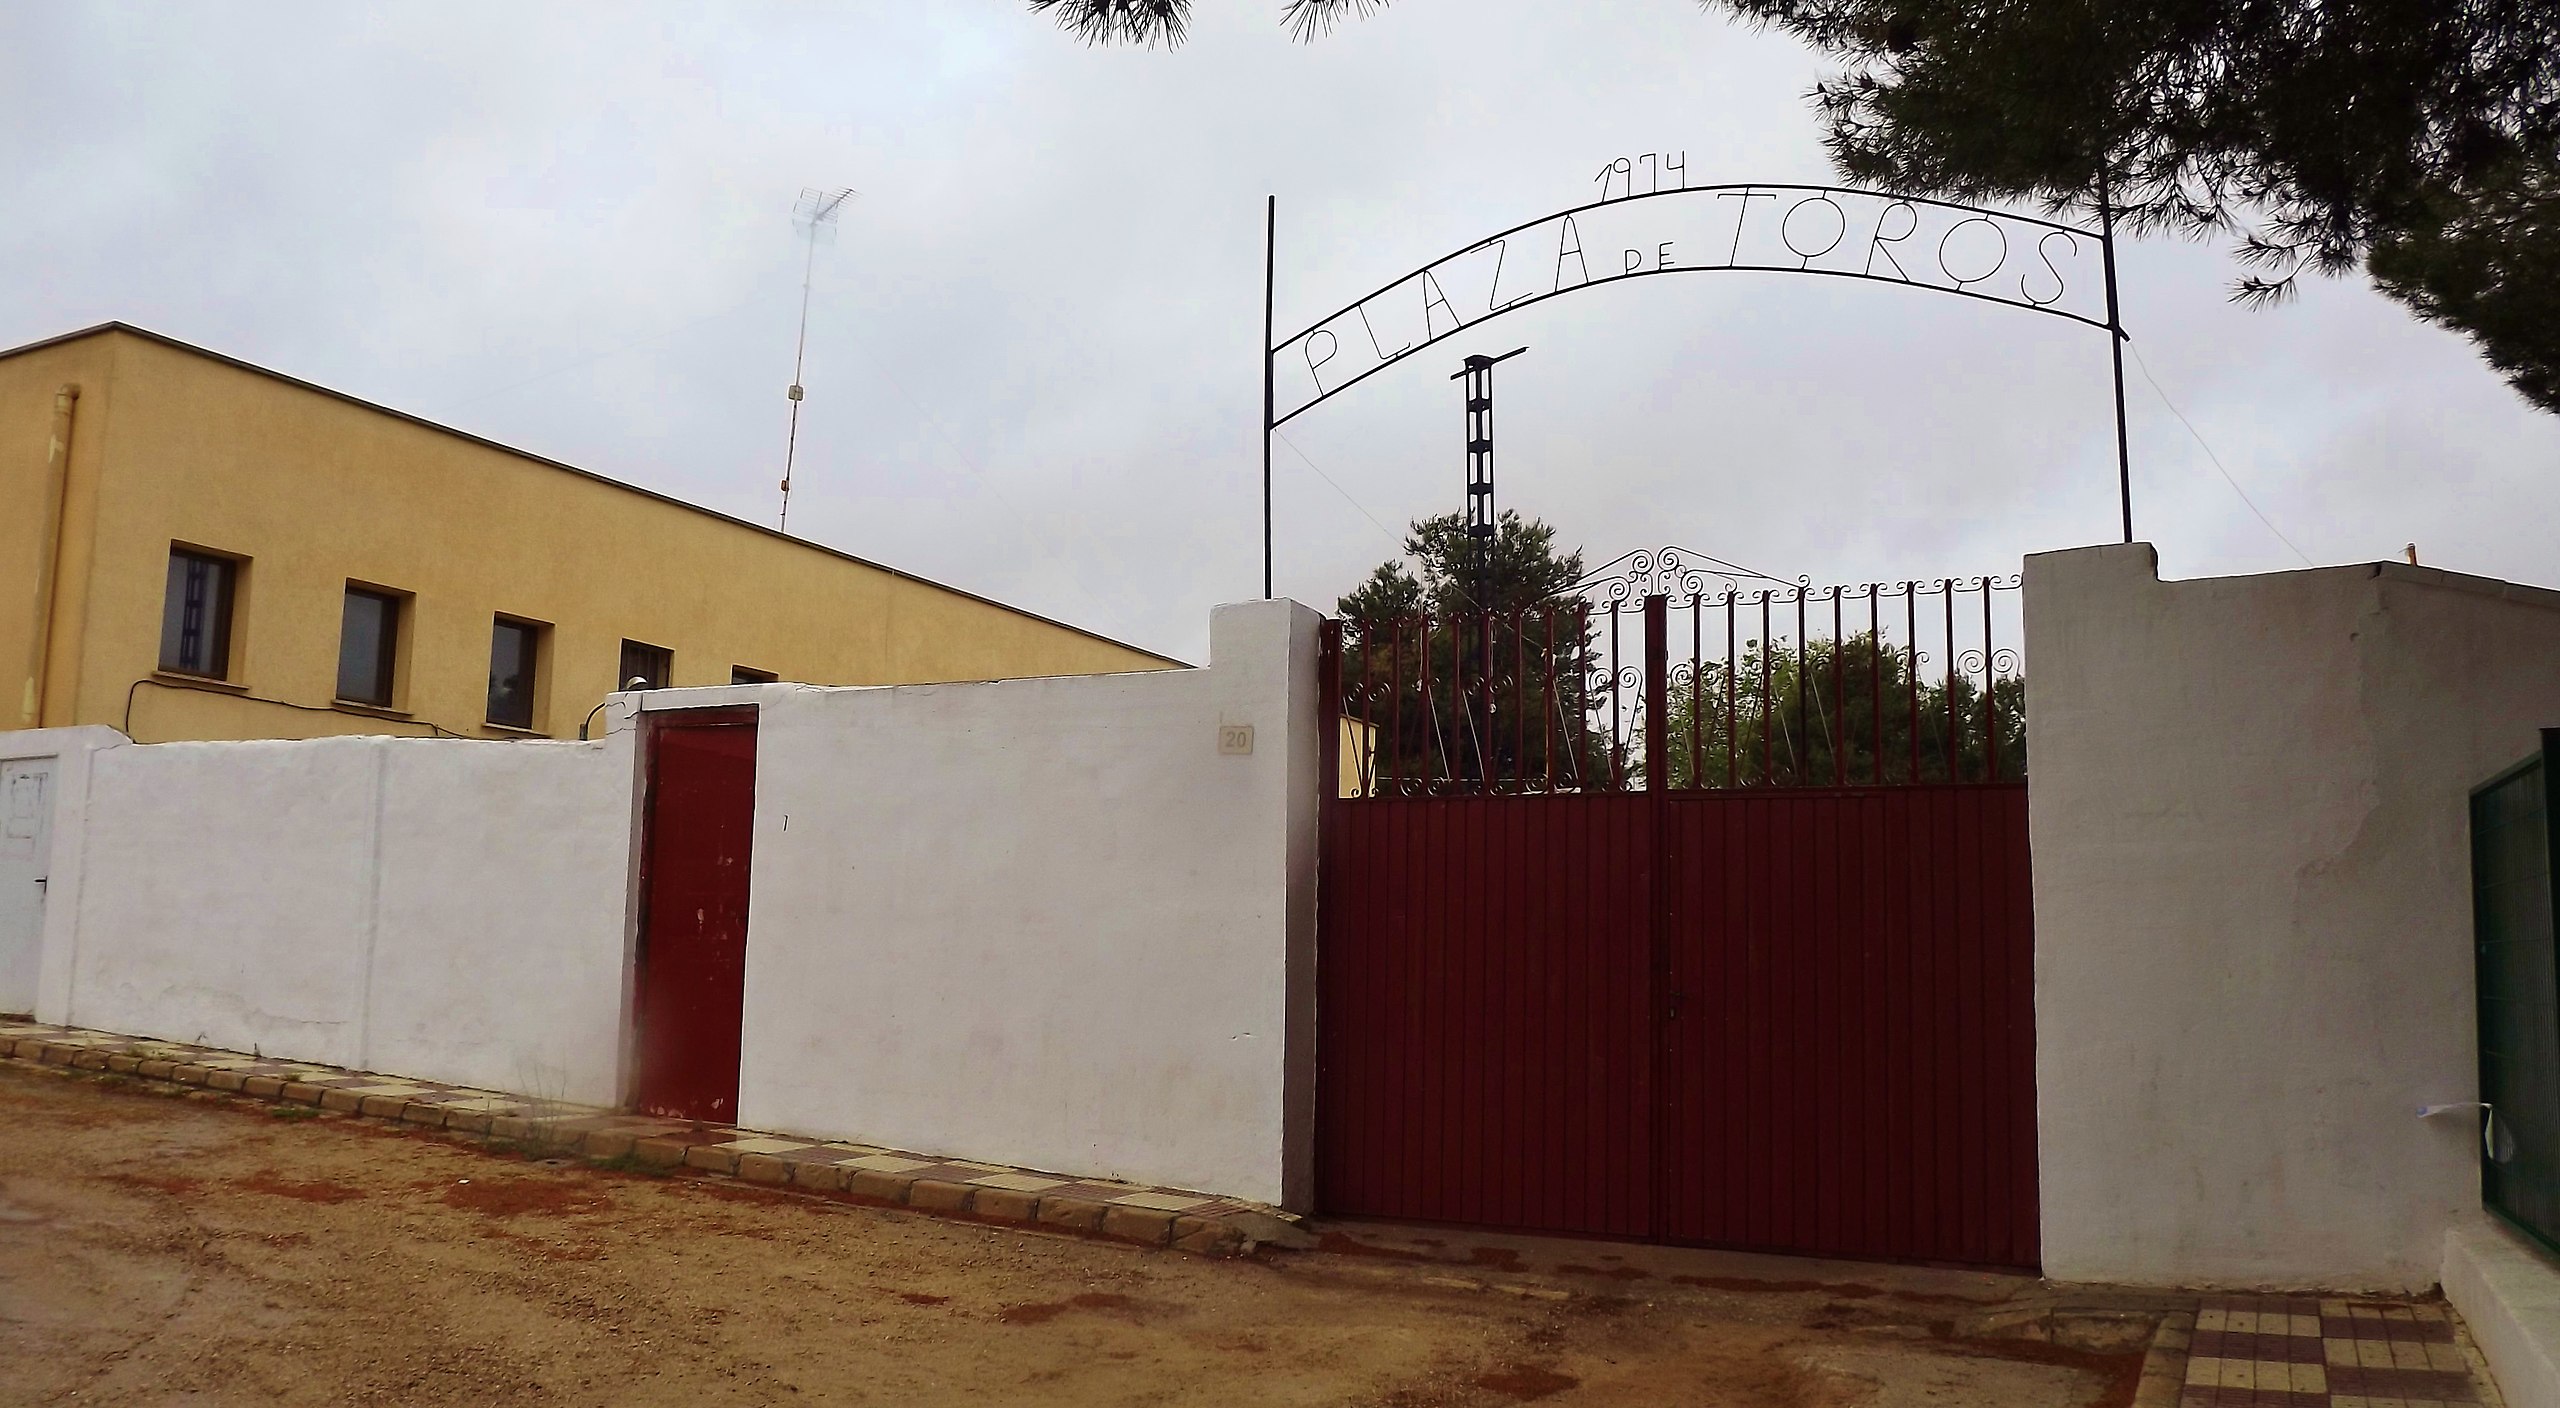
(814,217)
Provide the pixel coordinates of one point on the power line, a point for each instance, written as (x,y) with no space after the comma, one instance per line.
(1398,539)
(2210,455)
(1392,535)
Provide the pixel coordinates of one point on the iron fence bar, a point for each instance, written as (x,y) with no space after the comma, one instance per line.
(1473,706)
(1911,676)
(1955,760)
(1839,721)
(1520,697)
(1488,748)
(1368,705)
(1732,716)
(1462,707)
(1583,768)
(1432,743)
(1797,767)
(1768,758)
(1697,687)
(1547,715)
(1453,759)
(1875,684)
(1657,649)
(1480,705)
(1990,706)
(1617,710)
(1368,714)
(1395,705)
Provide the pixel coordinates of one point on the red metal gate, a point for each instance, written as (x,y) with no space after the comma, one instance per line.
(1847,1035)
(1793,1014)
(1485,1008)
(689,993)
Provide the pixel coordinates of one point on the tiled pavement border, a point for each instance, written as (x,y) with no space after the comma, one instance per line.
(1162,1217)
(2330,1352)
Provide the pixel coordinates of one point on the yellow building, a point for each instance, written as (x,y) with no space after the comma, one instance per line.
(192,547)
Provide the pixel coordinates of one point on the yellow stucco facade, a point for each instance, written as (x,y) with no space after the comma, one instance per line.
(118,446)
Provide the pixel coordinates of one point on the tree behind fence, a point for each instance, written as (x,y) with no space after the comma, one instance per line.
(1753,692)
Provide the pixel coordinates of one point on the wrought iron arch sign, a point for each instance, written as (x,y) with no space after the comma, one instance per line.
(1974,252)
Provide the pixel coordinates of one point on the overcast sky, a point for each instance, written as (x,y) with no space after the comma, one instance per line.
(1032,356)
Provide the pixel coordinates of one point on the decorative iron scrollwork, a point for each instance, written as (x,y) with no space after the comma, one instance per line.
(1666,571)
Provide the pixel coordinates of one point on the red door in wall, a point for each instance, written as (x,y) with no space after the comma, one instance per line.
(690,989)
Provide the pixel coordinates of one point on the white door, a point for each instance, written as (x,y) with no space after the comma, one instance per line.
(26,827)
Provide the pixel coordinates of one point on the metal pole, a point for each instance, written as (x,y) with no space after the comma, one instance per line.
(799,359)
(2115,346)
(1477,373)
(1479,441)
(1271,236)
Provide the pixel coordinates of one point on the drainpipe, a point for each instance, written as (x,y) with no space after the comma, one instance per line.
(57,481)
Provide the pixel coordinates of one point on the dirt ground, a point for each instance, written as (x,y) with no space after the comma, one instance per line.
(163,1249)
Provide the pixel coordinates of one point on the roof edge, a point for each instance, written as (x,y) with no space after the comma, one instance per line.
(163,339)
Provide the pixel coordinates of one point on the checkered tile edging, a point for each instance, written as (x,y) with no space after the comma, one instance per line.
(896,1175)
(2292,1352)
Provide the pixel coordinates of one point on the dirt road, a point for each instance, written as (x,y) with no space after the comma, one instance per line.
(156,1250)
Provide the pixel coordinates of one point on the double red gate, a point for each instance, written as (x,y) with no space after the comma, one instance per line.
(1783,1017)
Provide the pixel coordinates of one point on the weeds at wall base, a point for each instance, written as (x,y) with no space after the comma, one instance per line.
(629,1163)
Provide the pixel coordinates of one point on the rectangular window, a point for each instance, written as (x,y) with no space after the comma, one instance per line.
(514,648)
(742,674)
(368,646)
(195,616)
(648,665)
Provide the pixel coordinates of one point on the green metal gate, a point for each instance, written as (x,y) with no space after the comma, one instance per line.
(2519,982)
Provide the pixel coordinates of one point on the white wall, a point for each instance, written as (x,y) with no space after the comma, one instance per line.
(449,910)
(1041,921)
(1045,921)
(501,921)
(2249,813)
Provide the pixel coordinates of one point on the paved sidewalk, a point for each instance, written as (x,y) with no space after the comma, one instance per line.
(867,1173)
(2329,1352)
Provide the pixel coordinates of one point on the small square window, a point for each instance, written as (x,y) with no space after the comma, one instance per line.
(515,649)
(645,666)
(743,674)
(195,616)
(368,646)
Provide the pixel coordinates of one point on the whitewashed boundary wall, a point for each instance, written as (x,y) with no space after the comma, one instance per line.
(2249,812)
(1058,922)
(1045,921)
(443,909)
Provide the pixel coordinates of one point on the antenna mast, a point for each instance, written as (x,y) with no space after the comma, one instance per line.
(815,214)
